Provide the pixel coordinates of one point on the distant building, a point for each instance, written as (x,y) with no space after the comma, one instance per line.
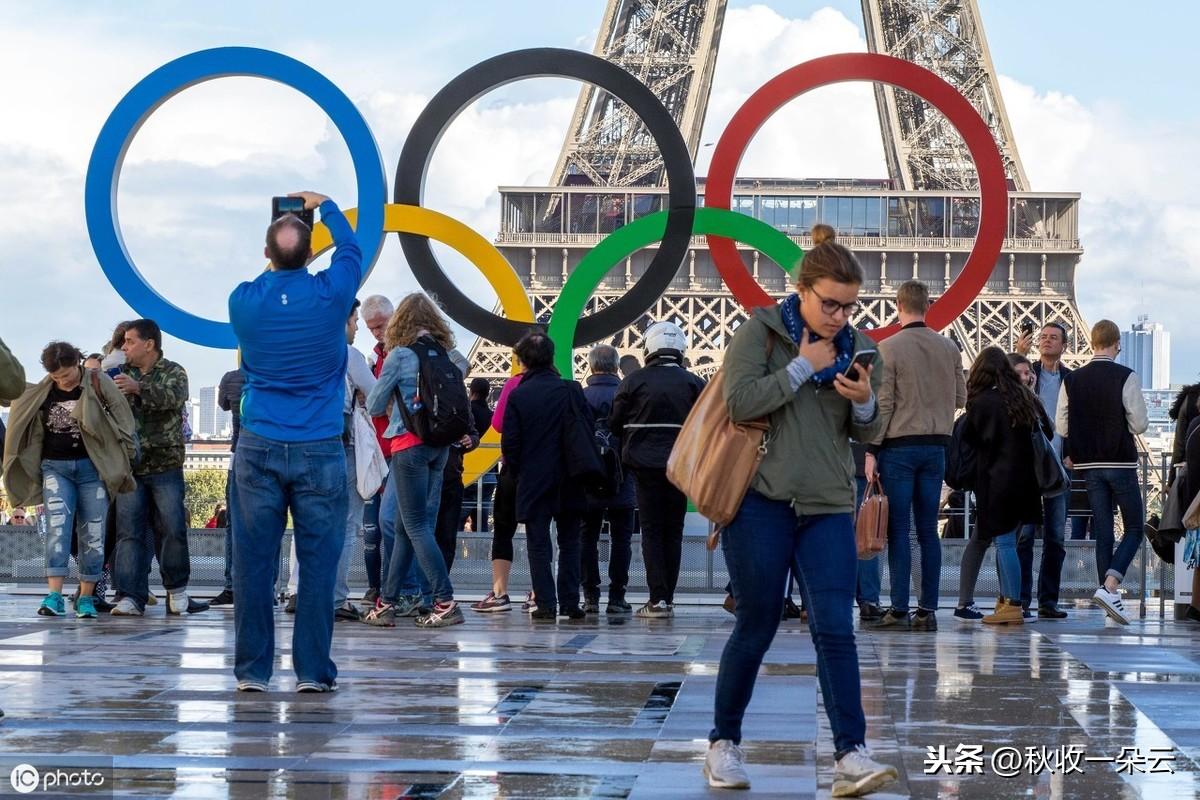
(207,455)
(1146,349)
(211,421)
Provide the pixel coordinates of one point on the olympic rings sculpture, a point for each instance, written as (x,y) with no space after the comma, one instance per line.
(415,225)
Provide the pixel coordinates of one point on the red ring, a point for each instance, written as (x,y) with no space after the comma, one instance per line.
(792,83)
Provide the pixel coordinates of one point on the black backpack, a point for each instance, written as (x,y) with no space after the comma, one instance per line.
(581,455)
(443,412)
(961,460)
(610,454)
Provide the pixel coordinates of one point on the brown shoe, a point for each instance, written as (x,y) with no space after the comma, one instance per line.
(1007,613)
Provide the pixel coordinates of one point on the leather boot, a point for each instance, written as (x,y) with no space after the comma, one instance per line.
(1007,612)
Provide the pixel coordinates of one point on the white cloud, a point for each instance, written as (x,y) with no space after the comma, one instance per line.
(200,173)
(1138,212)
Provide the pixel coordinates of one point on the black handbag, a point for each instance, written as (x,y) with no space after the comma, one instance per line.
(1047,466)
(581,455)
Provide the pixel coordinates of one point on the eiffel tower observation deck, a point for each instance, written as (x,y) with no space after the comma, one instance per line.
(917,222)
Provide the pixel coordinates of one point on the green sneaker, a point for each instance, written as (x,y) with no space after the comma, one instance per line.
(408,606)
(85,607)
(53,605)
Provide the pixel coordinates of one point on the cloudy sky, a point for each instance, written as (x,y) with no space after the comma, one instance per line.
(1096,109)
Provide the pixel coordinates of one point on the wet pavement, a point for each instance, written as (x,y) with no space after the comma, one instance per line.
(605,708)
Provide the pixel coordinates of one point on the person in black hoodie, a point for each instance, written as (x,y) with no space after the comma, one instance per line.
(648,410)
(617,507)
(531,441)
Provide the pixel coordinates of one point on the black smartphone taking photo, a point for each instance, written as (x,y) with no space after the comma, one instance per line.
(293,206)
(1027,328)
(862,358)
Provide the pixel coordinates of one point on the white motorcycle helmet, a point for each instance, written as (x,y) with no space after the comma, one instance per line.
(665,336)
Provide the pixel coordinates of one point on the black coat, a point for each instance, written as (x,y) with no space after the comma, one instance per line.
(532,445)
(649,409)
(600,391)
(1007,493)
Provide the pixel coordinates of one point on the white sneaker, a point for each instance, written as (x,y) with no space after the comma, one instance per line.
(725,766)
(126,608)
(1112,605)
(856,774)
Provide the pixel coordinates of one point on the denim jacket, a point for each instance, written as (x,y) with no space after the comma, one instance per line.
(400,373)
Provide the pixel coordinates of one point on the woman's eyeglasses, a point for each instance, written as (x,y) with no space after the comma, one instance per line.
(831,307)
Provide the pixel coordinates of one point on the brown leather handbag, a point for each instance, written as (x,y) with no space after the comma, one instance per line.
(871,527)
(714,459)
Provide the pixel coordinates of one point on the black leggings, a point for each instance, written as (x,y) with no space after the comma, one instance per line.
(504,513)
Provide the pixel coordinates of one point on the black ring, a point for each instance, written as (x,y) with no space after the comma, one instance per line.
(549,62)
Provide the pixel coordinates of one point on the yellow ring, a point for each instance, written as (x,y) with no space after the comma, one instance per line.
(486,258)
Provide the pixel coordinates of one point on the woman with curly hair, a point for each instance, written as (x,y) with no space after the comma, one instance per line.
(416,466)
(1001,415)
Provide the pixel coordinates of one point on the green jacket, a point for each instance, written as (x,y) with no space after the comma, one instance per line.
(159,414)
(108,440)
(808,460)
(12,375)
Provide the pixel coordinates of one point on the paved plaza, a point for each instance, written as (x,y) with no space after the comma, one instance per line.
(606,708)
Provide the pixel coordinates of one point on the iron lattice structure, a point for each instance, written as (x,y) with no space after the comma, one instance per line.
(672,46)
(923,149)
(669,45)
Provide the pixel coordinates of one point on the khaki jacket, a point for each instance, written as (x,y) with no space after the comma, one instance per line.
(107,439)
(808,462)
(12,375)
(923,384)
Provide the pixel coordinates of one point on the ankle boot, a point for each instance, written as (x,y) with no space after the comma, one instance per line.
(1007,612)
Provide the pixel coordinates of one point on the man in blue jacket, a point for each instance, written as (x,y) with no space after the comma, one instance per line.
(290,324)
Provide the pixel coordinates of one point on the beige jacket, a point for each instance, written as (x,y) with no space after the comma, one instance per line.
(923,384)
(109,440)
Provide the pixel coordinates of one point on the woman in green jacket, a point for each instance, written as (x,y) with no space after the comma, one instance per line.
(791,364)
(70,440)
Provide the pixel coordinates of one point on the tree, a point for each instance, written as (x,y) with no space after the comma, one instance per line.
(203,490)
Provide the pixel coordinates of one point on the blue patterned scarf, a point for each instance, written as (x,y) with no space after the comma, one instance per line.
(843,341)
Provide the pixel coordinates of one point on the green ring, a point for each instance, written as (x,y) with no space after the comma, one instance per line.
(625,241)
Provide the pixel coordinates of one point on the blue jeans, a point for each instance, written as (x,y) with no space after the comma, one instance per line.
(354,517)
(867,585)
(417,474)
(1054,552)
(912,480)
(309,479)
(765,539)
(1106,487)
(156,503)
(414,583)
(1008,565)
(229,513)
(75,500)
(372,541)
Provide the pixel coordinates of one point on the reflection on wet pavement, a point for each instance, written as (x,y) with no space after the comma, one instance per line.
(498,708)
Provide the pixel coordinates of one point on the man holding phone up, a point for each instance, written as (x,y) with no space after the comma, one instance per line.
(923,384)
(291,328)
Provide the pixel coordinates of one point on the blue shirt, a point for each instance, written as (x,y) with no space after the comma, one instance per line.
(291,328)
(1049,384)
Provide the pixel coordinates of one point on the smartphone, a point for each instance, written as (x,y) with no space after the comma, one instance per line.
(1027,328)
(293,206)
(862,358)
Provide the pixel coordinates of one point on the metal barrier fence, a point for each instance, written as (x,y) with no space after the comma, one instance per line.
(22,561)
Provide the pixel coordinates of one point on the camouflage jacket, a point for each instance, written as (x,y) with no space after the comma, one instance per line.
(159,414)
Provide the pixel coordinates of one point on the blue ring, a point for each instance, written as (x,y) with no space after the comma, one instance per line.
(104,172)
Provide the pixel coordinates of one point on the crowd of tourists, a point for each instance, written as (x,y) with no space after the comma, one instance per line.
(350,448)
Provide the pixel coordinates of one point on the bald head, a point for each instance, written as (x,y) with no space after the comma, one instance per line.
(289,243)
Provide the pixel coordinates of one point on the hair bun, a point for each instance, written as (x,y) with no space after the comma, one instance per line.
(822,233)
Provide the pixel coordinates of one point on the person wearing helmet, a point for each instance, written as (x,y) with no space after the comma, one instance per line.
(647,412)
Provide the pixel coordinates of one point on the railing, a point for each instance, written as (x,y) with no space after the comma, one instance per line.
(939,244)
(22,558)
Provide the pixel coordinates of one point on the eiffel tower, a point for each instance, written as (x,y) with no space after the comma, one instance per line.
(920,222)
